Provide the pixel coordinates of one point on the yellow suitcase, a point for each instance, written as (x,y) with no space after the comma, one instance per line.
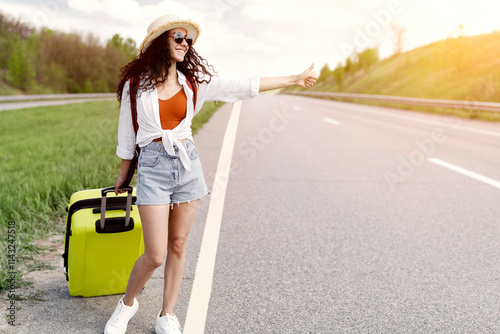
(99,253)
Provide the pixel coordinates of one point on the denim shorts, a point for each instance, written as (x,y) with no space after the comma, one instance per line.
(162,179)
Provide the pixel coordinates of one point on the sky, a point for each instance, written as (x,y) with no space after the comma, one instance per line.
(271,37)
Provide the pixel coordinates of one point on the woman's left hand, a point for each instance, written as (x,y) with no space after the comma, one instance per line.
(306,79)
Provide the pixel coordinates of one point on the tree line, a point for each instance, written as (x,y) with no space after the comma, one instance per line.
(361,60)
(47,61)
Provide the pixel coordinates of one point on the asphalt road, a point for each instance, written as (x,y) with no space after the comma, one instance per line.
(335,221)
(34,104)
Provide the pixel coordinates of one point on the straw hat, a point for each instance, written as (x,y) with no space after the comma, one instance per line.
(166,23)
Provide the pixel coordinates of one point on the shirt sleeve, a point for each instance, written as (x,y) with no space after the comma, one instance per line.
(228,90)
(126,133)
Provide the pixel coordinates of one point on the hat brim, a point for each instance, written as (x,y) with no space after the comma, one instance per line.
(192,29)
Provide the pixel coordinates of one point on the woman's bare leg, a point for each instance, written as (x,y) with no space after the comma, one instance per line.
(154,219)
(180,220)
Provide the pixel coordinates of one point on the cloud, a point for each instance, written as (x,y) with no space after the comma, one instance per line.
(89,6)
(124,10)
(129,18)
(129,10)
(313,12)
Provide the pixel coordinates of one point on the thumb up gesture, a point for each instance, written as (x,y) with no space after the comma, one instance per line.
(306,79)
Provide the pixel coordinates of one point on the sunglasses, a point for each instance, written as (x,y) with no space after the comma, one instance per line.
(178,38)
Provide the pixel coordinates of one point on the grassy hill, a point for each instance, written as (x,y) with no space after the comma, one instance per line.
(6,89)
(464,68)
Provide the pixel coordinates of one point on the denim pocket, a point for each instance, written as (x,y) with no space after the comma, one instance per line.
(148,158)
(191,149)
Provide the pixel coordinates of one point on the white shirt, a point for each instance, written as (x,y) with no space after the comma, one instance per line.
(148,114)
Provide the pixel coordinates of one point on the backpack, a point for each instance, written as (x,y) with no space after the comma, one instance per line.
(134,85)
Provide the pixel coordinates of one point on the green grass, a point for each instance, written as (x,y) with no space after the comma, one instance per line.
(209,108)
(47,154)
(5,89)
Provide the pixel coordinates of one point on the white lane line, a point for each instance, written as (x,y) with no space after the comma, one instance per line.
(329,120)
(456,126)
(466,172)
(202,284)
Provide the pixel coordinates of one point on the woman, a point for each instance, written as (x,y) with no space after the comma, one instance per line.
(169,170)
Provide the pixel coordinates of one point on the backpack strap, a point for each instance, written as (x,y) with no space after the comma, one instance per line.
(194,87)
(133,103)
(133,109)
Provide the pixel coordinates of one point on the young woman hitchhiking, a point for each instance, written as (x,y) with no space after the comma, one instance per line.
(170,176)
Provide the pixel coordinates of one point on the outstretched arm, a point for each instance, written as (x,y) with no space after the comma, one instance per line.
(304,80)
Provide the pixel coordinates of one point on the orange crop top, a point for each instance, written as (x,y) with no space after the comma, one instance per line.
(173,110)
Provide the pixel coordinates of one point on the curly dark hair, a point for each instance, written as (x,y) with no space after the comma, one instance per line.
(154,62)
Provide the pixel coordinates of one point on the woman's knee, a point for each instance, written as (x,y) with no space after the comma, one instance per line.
(154,260)
(177,245)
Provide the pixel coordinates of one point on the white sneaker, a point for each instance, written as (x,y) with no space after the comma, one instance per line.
(118,322)
(168,324)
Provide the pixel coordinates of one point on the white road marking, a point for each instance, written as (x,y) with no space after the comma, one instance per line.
(202,284)
(466,172)
(454,126)
(329,120)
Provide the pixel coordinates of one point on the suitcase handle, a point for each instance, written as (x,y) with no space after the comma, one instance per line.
(128,189)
